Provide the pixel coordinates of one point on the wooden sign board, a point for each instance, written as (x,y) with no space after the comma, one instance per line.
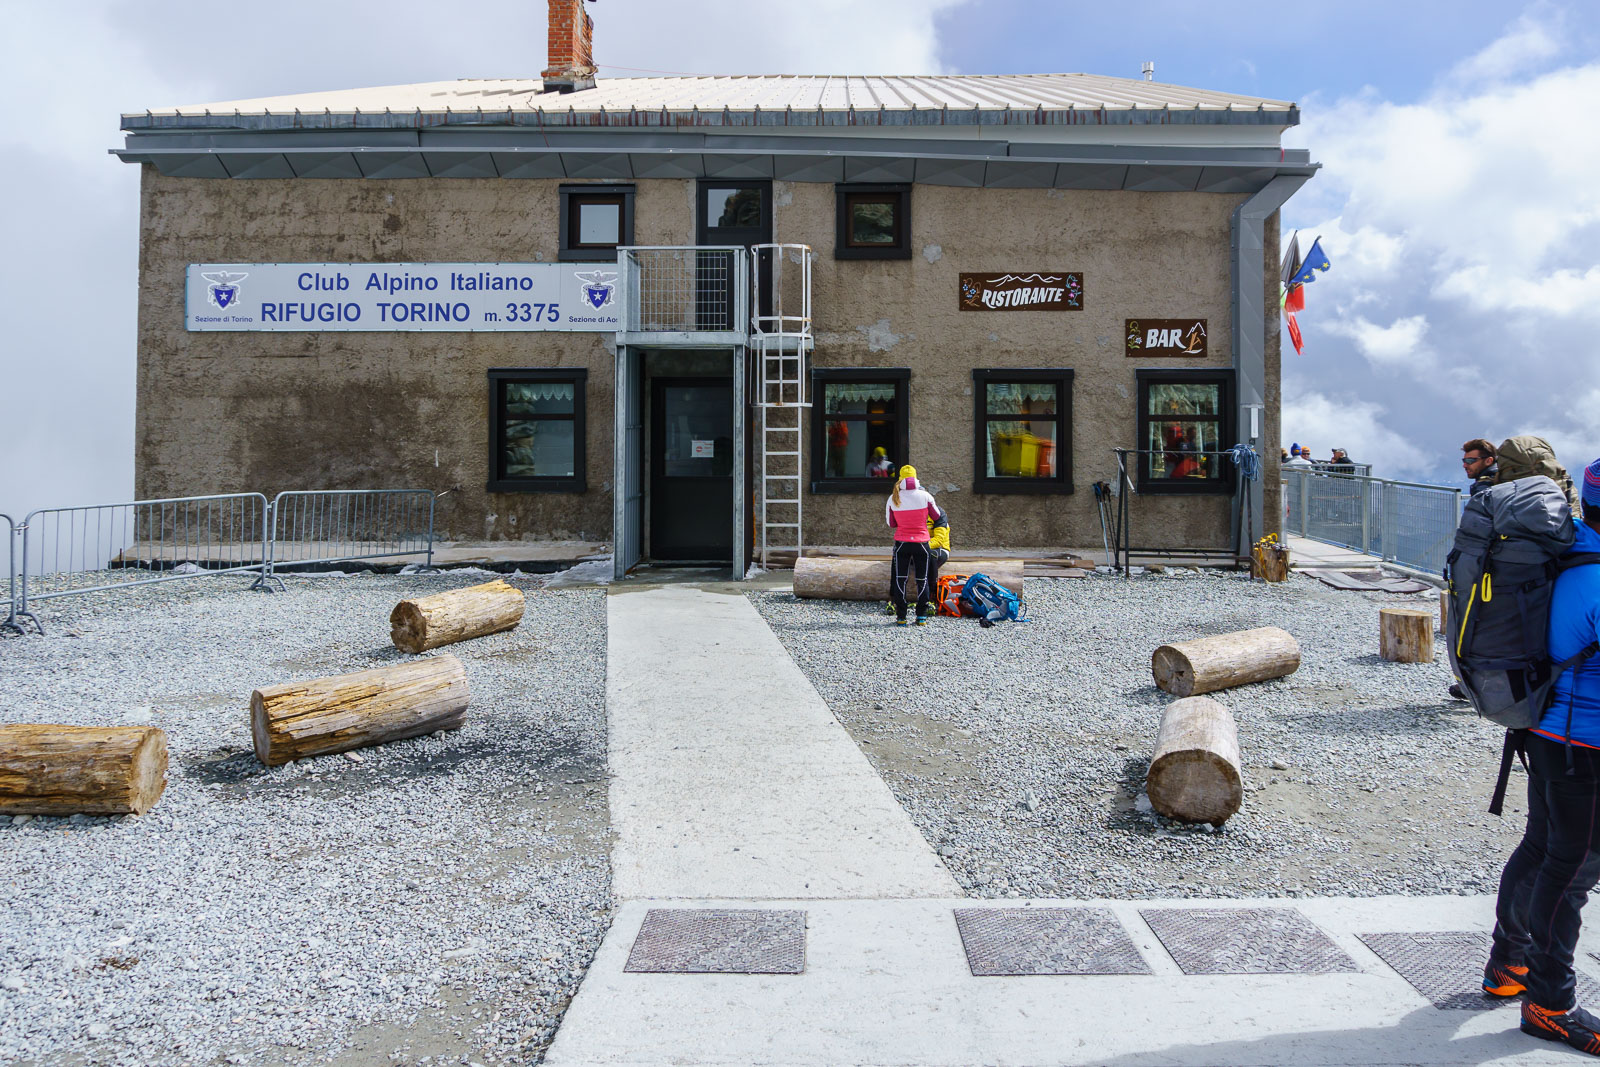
(1022,291)
(1166,337)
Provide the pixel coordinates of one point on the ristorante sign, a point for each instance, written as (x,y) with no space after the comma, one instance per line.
(1022,291)
(433,297)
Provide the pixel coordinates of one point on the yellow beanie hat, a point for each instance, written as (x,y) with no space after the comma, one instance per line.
(908,471)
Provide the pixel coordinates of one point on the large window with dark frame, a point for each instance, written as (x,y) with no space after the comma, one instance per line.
(1185,421)
(1022,423)
(874,222)
(859,429)
(595,220)
(536,430)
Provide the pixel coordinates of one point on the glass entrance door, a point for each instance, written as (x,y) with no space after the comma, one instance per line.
(691,470)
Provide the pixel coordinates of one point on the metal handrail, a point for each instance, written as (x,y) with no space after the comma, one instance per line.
(1410,523)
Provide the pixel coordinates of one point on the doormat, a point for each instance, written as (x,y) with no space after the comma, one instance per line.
(1017,941)
(715,941)
(1370,581)
(1246,941)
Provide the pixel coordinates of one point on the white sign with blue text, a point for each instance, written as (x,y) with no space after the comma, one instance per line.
(436,297)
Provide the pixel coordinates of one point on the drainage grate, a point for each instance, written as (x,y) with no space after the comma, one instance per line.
(1013,941)
(1447,967)
(1246,941)
(714,941)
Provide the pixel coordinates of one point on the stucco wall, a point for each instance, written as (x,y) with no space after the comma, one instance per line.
(264,411)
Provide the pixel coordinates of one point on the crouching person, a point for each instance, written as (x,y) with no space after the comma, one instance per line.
(1548,877)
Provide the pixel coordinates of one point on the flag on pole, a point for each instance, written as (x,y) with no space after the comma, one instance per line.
(1294,336)
(1314,261)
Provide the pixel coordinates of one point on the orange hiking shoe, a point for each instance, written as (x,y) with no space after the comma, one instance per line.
(1574,1027)
(1503,980)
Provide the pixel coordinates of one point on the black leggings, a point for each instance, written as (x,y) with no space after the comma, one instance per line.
(910,558)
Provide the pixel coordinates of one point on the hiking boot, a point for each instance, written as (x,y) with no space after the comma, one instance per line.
(1503,979)
(922,620)
(888,609)
(902,621)
(1574,1027)
(1457,692)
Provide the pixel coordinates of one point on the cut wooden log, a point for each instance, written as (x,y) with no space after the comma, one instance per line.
(1270,563)
(322,715)
(837,578)
(1405,635)
(425,622)
(1194,773)
(90,770)
(1444,608)
(1206,664)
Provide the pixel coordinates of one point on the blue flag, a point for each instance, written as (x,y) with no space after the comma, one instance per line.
(1314,261)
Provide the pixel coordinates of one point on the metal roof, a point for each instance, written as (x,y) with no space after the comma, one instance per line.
(756,100)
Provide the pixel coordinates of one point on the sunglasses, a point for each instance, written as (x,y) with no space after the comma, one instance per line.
(1467,461)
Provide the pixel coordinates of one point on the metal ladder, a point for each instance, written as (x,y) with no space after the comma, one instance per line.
(780,340)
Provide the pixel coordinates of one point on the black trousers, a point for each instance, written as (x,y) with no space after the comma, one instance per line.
(911,560)
(1548,877)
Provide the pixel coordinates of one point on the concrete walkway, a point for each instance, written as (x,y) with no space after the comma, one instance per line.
(734,788)
(730,777)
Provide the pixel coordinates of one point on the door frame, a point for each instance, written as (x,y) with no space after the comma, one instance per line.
(657,444)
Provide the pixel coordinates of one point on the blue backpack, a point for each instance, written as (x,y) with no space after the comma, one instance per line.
(989,600)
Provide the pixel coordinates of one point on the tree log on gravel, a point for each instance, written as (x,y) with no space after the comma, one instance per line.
(1204,665)
(425,622)
(313,718)
(837,578)
(1405,635)
(90,770)
(1194,773)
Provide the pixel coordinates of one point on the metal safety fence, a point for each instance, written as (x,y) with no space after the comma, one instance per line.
(343,526)
(683,289)
(1409,523)
(104,548)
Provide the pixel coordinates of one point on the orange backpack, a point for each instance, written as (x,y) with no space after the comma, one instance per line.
(949,590)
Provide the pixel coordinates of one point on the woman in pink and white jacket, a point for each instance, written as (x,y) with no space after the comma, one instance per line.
(907,512)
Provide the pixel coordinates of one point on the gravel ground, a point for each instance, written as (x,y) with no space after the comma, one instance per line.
(435,901)
(1020,751)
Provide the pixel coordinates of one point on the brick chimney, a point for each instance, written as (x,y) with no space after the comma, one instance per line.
(571,48)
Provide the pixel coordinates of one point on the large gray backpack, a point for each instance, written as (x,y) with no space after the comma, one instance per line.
(1500,574)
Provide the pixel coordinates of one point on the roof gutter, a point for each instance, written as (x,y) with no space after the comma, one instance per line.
(1250,333)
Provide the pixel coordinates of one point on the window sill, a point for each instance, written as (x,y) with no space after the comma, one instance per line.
(586,255)
(871,253)
(528,485)
(1206,488)
(1039,487)
(881,486)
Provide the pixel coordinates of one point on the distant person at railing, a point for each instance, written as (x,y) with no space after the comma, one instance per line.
(1298,457)
(1341,462)
(1478,460)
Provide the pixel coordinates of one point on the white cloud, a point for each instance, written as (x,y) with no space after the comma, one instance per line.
(1397,345)
(1531,40)
(1324,423)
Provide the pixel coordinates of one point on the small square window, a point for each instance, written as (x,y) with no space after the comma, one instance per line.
(595,220)
(874,222)
(536,431)
(1185,426)
(1022,422)
(859,429)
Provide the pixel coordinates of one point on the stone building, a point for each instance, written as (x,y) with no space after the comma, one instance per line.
(532,292)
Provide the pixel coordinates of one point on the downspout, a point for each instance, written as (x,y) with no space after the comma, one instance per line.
(1250,333)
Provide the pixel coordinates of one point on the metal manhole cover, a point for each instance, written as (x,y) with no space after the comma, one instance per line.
(1447,967)
(1246,941)
(1014,941)
(716,941)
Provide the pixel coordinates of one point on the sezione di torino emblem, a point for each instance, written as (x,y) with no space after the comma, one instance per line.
(224,289)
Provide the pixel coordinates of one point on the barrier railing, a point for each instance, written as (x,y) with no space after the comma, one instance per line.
(14,610)
(684,288)
(341,526)
(1409,523)
(97,548)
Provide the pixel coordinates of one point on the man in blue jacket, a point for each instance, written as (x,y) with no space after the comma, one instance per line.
(1547,879)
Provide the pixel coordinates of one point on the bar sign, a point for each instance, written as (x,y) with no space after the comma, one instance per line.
(1166,337)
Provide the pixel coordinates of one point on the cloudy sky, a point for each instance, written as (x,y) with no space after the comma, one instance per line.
(1459,199)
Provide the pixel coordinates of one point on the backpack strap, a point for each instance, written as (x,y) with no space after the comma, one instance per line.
(1515,747)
